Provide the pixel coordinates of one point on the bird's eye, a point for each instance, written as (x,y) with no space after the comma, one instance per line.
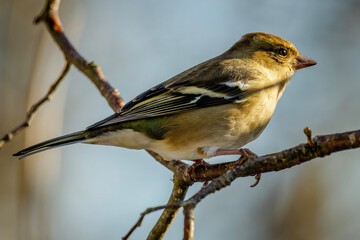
(282,51)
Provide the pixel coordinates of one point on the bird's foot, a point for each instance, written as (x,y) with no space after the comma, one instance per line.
(246,156)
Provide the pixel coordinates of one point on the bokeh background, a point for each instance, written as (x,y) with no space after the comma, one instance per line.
(96,192)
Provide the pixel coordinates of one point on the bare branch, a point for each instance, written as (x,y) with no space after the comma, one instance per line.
(178,194)
(51,18)
(322,146)
(141,218)
(35,107)
(208,172)
(173,165)
(189,222)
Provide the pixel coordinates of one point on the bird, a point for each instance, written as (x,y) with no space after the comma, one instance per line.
(211,109)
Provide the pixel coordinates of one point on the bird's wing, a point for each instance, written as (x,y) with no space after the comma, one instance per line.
(180,94)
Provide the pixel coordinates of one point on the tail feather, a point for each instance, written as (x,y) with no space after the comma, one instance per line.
(52,143)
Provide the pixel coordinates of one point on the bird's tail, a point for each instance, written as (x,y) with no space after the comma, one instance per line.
(52,143)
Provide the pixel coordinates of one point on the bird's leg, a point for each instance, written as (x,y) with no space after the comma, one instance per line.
(246,155)
(241,151)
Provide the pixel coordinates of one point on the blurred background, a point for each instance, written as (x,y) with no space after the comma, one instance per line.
(97,192)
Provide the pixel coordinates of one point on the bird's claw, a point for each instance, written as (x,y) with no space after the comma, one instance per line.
(247,155)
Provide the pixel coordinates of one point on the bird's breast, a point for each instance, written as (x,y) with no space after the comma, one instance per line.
(206,130)
(252,116)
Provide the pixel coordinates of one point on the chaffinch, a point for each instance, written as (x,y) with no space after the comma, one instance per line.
(211,109)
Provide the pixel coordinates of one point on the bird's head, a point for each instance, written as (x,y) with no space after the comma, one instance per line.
(271,51)
(277,57)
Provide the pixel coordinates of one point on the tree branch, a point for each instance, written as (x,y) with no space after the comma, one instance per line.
(50,17)
(178,194)
(189,222)
(175,166)
(35,107)
(322,146)
(316,147)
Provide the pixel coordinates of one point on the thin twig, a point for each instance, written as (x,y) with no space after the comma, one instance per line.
(50,17)
(162,225)
(178,194)
(189,222)
(141,218)
(35,107)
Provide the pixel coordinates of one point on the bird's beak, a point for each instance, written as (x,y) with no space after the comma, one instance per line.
(303,62)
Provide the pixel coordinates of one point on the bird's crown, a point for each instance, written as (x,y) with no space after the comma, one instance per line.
(263,41)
